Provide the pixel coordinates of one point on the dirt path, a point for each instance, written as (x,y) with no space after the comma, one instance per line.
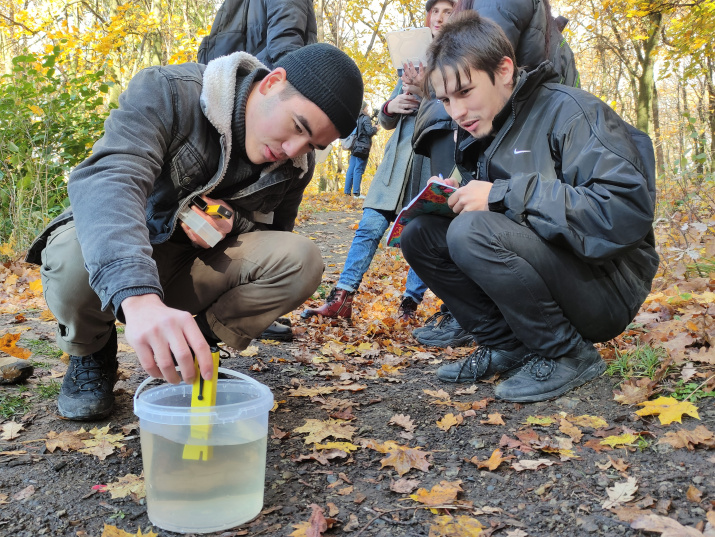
(51,493)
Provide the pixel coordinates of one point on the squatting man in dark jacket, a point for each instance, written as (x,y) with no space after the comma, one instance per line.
(231,133)
(552,247)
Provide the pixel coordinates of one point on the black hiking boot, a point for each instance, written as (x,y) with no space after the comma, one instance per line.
(547,378)
(87,388)
(484,363)
(407,309)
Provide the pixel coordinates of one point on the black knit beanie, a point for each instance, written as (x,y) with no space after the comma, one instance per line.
(327,76)
(430,4)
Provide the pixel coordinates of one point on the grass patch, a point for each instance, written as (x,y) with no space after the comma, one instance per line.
(692,391)
(320,293)
(643,361)
(50,390)
(13,404)
(43,348)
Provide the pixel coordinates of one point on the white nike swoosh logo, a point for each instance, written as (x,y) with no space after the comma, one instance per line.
(519,151)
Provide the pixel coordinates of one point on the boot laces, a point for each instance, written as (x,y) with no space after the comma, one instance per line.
(436,318)
(88,373)
(540,367)
(478,362)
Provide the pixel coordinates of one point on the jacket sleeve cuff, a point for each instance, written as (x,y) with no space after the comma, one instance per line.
(500,187)
(126,293)
(384,108)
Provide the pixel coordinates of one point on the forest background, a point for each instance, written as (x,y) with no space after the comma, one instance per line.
(65,62)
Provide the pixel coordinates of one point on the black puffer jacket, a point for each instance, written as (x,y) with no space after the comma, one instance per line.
(526,23)
(267,29)
(567,166)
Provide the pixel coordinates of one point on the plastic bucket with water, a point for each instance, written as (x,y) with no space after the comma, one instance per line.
(202,496)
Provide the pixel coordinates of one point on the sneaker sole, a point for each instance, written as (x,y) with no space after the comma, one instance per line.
(80,417)
(460,342)
(593,372)
(502,376)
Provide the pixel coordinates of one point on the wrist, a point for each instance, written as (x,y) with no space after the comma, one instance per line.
(135,303)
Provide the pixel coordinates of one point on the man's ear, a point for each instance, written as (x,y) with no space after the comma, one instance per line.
(505,71)
(273,80)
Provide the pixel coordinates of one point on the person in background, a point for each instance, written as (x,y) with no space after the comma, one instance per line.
(266,29)
(360,152)
(398,171)
(535,38)
(231,134)
(552,247)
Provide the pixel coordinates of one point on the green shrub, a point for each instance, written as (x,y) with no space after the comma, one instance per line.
(49,120)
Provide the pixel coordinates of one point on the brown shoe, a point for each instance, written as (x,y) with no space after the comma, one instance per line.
(14,370)
(338,304)
(407,309)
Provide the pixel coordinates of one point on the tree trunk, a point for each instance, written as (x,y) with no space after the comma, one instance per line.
(646,80)
(659,160)
(711,110)
(319,20)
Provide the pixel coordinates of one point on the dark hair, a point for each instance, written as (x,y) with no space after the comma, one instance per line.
(468,41)
(468,5)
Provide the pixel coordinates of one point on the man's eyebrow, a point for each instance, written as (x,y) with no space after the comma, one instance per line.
(304,123)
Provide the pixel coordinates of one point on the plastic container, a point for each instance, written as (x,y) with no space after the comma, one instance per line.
(203,496)
(200,226)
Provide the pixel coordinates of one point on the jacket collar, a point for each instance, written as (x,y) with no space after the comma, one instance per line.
(526,84)
(218,97)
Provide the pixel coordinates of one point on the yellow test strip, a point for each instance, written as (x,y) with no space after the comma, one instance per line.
(203,395)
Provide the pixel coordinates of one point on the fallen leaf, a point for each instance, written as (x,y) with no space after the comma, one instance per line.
(494,419)
(689,438)
(634,391)
(664,525)
(625,439)
(441,494)
(66,440)
(440,394)
(303,391)
(466,391)
(113,531)
(8,345)
(24,493)
(11,430)
(314,527)
(249,351)
(450,420)
(570,430)
(493,462)
(531,464)
(320,430)
(622,492)
(127,485)
(516,533)
(404,486)
(668,409)
(402,458)
(693,494)
(540,420)
(594,422)
(455,526)
(403,421)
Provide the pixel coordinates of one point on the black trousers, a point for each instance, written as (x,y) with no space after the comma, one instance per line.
(505,284)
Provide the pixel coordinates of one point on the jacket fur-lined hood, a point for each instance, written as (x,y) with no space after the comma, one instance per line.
(218,97)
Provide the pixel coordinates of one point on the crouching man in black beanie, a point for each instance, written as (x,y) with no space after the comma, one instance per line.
(231,143)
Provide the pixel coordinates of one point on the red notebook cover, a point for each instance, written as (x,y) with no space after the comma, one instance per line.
(431,200)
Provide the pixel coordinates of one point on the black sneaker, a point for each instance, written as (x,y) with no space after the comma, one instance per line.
(484,363)
(445,332)
(87,388)
(432,321)
(543,378)
(278,331)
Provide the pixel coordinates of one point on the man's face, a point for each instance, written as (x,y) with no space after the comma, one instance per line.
(278,128)
(474,103)
(438,15)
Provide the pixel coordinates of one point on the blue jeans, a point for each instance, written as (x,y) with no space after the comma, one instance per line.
(354,176)
(372,227)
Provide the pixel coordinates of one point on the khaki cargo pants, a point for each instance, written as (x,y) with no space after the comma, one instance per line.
(244,284)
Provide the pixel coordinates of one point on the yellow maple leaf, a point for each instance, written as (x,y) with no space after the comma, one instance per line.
(493,462)
(620,440)
(249,351)
(441,494)
(126,485)
(595,422)
(36,286)
(301,529)
(8,345)
(320,430)
(303,391)
(450,420)
(342,446)
(668,409)
(403,458)
(540,420)
(113,531)
(458,526)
